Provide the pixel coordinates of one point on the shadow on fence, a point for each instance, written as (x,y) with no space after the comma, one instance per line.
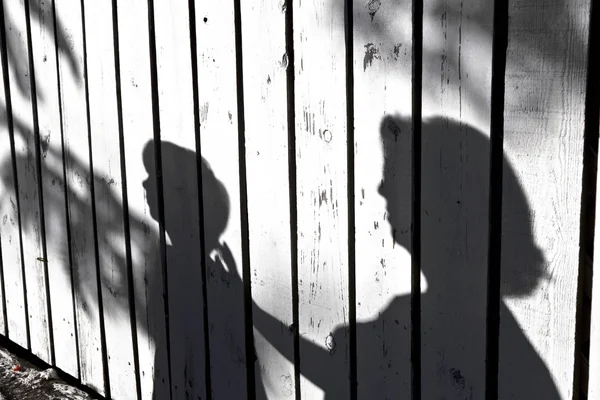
(456,285)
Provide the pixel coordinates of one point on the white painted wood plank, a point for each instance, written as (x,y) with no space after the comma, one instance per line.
(217,89)
(138,135)
(54,201)
(10,240)
(382,150)
(454,210)
(26,165)
(544,124)
(267,169)
(105,143)
(79,198)
(321,159)
(181,204)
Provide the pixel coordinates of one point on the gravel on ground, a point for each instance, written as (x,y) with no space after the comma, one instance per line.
(21,380)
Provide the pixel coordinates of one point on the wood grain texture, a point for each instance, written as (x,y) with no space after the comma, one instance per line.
(322,198)
(79,195)
(141,177)
(110,231)
(544,124)
(267,169)
(10,239)
(219,130)
(181,206)
(54,200)
(28,179)
(382,164)
(454,209)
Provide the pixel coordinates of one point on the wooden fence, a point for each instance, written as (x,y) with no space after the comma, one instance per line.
(302,199)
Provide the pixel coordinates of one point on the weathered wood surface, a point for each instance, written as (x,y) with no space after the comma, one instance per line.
(265,69)
(108,180)
(219,131)
(544,109)
(222,115)
(10,236)
(5,140)
(454,208)
(28,179)
(138,137)
(382,40)
(54,200)
(72,81)
(322,198)
(181,203)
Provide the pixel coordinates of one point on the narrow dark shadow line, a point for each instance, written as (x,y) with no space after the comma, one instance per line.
(194,55)
(4,312)
(38,167)
(66,191)
(415,292)
(349,39)
(250,351)
(291,128)
(125,204)
(3,293)
(159,182)
(13,154)
(94,217)
(588,195)
(499,48)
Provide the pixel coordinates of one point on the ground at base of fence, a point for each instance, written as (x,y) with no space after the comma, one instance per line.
(21,380)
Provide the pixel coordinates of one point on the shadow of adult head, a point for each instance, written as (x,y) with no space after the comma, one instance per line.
(455,187)
(454,249)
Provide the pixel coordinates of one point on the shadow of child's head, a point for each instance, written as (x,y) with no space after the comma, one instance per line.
(177,160)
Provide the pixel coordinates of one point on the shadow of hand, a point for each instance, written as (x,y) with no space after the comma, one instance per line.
(230,275)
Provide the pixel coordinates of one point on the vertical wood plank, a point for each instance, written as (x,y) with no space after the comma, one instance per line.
(145,243)
(72,83)
(105,144)
(10,240)
(267,166)
(321,160)
(455,195)
(180,188)
(382,86)
(544,125)
(54,201)
(219,119)
(26,165)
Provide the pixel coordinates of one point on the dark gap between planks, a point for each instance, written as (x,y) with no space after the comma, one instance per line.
(499,48)
(125,203)
(159,181)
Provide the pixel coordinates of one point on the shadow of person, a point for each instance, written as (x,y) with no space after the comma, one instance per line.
(184,275)
(455,185)
(454,251)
